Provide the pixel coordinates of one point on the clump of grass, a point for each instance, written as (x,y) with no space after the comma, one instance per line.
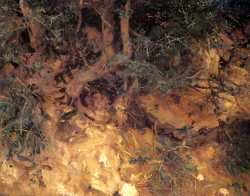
(9,32)
(174,169)
(160,182)
(19,122)
(238,154)
(176,20)
(170,166)
(58,23)
(168,28)
(162,30)
(141,157)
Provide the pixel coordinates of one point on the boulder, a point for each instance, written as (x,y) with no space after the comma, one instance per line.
(182,109)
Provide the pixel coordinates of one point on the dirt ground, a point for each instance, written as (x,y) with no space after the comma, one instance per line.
(72,130)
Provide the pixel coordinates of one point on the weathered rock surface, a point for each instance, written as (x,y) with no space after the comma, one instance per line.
(183,109)
(89,165)
(210,100)
(89,156)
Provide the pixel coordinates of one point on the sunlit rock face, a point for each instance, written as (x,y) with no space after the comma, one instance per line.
(92,162)
(182,109)
(8,174)
(128,189)
(97,157)
(88,165)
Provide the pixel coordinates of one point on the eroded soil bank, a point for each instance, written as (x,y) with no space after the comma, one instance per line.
(74,130)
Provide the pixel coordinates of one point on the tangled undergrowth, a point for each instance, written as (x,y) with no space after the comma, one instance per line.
(20,121)
(238,156)
(156,34)
(174,166)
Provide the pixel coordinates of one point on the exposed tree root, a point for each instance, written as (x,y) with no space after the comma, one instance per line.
(100,68)
(34,26)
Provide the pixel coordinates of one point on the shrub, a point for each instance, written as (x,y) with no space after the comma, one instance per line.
(20,123)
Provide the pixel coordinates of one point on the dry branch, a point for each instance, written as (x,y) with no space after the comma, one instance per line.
(125,31)
(80,19)
(99,69)
(94,72)
(34,27)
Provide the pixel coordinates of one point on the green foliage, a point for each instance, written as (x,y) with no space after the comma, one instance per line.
(179,19)
(20,130)
(171,167)
(161,28)
(238,160)
(239,188)
(8,51)
(160,182)
(139,159)
(68,115)
(141,156)
(58,25)
(145,66)
(165,29)
(8,4)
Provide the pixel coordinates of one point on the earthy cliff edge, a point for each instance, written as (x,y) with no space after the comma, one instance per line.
(124,98)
